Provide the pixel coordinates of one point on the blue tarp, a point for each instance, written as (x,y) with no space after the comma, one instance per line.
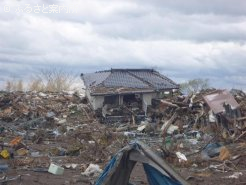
(120,167)
(157,178)
(106,171)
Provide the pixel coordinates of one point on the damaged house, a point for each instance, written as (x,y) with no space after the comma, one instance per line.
(132,89)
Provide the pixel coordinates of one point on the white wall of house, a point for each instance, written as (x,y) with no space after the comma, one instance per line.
(148,97)
(95,101)
(98,102)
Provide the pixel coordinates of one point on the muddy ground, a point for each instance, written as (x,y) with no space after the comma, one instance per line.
(138,177)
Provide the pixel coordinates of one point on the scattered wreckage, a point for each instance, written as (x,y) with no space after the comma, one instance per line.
(47,134)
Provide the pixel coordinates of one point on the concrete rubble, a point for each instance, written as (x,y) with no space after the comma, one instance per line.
(201,135)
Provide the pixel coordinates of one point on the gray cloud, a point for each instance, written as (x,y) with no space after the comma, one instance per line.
(182,39)
(237,7)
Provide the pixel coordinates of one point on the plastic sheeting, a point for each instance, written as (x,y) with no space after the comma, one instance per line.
(119,169)
(157,178)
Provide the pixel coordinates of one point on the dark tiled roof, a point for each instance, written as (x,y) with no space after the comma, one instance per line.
(95,79)
(154,78)
(147,79)
(124,79)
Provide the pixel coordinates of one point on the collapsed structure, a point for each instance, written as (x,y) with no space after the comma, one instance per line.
(224,110)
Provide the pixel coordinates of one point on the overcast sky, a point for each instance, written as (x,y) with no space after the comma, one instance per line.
(183,39)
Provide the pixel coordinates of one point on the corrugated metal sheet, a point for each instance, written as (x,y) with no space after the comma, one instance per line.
(216,101)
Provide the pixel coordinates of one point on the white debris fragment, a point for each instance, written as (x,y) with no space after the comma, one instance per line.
(63,121)
(92,170)
(129,134)
(91,142)
(172,128)
(236,175)
(181,157)
(193,141)
(212,117)
(42,94)
(71,166)
(141,128)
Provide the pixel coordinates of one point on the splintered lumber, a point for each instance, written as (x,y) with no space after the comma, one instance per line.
(168,123)
(244,133)
(181,104)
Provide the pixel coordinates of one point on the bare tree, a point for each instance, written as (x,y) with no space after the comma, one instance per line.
(36,85)
(19,86)
(194,86)
(52,80)
(13,85)
(9,86)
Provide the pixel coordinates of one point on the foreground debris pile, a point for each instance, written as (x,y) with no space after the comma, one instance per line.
(50,132)
(205,133)
(46,135)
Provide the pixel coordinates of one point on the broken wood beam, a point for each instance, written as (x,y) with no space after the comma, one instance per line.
(241,118)
(163,102)
(240,136)
(181,104)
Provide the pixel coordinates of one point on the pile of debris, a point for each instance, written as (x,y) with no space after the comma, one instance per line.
(202,132)
(50,132)
(212,111)
(205,131)
(60,134)
(24,106)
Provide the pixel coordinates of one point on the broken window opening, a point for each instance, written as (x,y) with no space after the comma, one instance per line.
(112,100)
(133,100)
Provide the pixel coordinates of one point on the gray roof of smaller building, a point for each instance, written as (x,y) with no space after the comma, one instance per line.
(217,100)
(148,79)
